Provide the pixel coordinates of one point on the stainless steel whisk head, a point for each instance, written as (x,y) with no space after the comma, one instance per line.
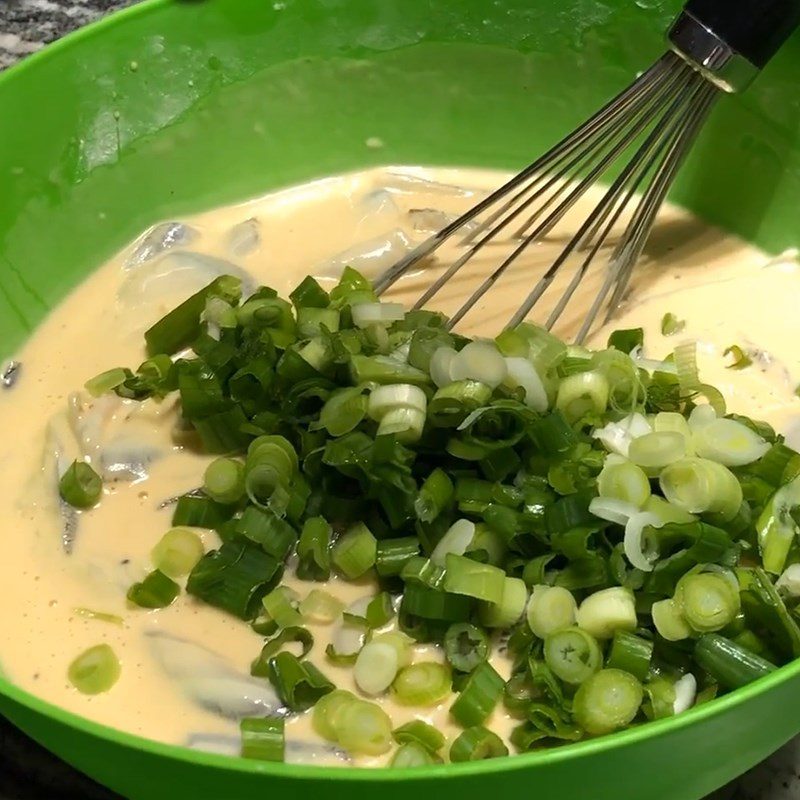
(716,46)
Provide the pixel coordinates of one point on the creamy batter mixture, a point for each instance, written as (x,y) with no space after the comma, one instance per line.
(726,291)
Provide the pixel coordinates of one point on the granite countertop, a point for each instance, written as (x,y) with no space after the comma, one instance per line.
(26,26)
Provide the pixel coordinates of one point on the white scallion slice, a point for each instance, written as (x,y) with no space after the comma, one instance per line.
(669,622)
(640,553)
(522,374)
(778,527)
(701,416)
(583,393)
(607,611)
(622,480)
(456,540)
(550,609)
(698,485)
(366,314)
(789,581)
(674,422)
(441,362)
(612,510)
(685,693)
(479,361)
(397,395)
(729,442)
(654,451)
(506,613)
(376,667)
(405,423)
(616,437)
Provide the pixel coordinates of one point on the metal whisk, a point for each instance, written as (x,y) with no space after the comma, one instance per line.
(716,46)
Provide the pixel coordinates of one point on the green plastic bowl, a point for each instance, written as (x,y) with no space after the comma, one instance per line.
(173,107)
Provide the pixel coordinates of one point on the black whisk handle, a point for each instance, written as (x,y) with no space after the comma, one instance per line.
(755,29)
(731,40)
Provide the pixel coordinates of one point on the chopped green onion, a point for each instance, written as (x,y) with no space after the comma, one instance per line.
(392,555)
(364,727)
(607,701)
(550,609)
(106,381)
(478,697)
(344,410)
(521,374)
(291,635)
(376,667)
(607,611)
(479,361)
(616,437)
(380,610)
(177,552)
(262,526)
(622,480)
(729,442)
(456,540)
(320,607)
(434,496)
(157,590)
(411,754)
(573,655)
(309,294)
(468,577)
(299,684)
(465,646)
(510,608)
(626,340)
(708,601)
(581,394)
(200,512)
(433,604)
(262,738)
(778,526)
(658,449)
(234,578)
(631,654)
(224,480)
(420,733)
(102,616)
(669,622)
(699,486)
(313,550)
(670,324)
(80,485)
(740,358)
(325,718)
(385,370)
(281,606)
(477,744)
(685,356)
(355,551)
(399,641)
(94,671)
(182,325)
(312,321)
(728,663)
(422,684)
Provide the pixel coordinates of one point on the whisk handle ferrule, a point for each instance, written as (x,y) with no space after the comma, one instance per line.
(731,40)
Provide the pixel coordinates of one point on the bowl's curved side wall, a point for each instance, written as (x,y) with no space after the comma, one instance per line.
(677,762)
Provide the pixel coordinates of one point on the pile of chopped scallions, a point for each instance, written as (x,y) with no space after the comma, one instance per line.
(596,522)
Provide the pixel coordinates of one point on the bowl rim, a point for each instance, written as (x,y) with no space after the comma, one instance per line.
(523,761)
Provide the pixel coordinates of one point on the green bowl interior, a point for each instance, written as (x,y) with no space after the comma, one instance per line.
(174,107)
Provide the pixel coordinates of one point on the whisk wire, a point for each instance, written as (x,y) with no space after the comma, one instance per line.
(659,115)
